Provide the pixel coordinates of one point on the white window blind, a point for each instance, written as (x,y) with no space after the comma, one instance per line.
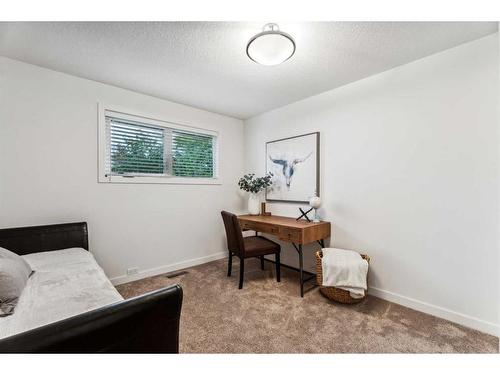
(137,146)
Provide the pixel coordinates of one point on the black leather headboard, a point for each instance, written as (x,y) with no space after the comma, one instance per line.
(28,240)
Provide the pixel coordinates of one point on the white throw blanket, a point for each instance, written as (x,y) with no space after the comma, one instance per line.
(345,269)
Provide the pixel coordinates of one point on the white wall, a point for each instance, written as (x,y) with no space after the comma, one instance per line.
(48,173)
(409,175)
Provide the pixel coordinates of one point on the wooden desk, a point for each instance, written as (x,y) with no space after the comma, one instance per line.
(290,230)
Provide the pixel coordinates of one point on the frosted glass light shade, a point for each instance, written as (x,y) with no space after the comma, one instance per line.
(271,47)
(315,202)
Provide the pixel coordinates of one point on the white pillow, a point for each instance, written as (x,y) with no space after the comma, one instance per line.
(7,254)
(13,278)
(14,273)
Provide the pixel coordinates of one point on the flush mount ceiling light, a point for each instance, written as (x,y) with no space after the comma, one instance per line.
(271,46)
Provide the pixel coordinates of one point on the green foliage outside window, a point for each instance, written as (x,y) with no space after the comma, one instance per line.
(137,156)
(192,155)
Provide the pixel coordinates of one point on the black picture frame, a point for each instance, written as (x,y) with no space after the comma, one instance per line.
(317,174)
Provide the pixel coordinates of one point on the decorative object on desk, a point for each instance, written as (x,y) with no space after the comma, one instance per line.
(294,162)
(253,204)
(254,185)
(263,211)
(303,214)
(315,202)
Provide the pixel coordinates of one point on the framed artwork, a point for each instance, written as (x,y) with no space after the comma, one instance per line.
(294,163)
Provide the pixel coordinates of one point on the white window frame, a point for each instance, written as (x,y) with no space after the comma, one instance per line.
(156,121)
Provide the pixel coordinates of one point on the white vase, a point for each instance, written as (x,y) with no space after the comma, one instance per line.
(253,204)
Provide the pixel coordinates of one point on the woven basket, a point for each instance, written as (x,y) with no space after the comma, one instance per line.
(331,292)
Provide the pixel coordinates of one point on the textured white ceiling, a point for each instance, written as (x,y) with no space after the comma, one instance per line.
(203,64)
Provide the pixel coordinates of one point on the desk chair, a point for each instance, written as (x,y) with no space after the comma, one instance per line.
(247,247)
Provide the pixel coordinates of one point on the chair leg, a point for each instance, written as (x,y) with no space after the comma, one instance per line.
(229,264)
(278,267)
(242,271)
(262,263)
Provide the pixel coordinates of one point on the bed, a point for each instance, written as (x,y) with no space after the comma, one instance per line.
(69,305)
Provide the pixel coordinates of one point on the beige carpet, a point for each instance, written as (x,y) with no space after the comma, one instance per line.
(270,317)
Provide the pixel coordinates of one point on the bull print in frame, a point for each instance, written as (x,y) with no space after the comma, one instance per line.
(294,163)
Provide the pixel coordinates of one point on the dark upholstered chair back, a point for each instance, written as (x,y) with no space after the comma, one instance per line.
(233,233)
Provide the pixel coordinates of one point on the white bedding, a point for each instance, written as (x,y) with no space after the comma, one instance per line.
(65,283)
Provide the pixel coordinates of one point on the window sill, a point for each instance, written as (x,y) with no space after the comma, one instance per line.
(160,180)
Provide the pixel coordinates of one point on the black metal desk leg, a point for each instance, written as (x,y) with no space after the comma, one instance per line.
(301,267)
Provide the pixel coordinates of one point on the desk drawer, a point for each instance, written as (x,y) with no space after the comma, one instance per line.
(290,234)
(260,227)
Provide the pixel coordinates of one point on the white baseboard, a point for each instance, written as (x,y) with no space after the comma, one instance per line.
(167,268)
(441,312)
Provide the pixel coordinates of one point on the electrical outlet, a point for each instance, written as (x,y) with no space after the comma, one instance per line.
(132,271)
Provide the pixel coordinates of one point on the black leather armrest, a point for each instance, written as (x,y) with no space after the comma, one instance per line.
(145,324)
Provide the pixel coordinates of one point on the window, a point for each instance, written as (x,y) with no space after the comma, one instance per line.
(135,148)
(139,149)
